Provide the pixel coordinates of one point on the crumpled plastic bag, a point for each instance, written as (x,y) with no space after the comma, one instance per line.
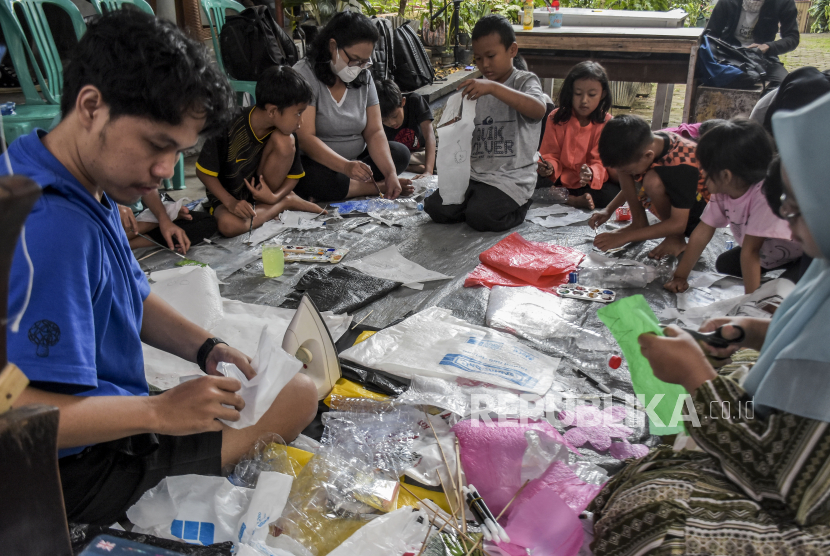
(609,272)
(543,525)
(459,398)
(194,508)
(339,289)
(435,343)
(515,261)
(380,433)
(392,534)
(274,367)
(193,291)
(492,452)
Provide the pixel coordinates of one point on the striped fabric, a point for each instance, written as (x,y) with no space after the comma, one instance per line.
(759,487)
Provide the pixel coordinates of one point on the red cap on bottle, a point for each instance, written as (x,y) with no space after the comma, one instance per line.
(555,3)
(615,362)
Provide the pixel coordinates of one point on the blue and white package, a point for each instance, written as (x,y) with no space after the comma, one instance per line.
(433,343)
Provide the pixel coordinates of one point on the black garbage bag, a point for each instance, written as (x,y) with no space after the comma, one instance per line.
(339,289)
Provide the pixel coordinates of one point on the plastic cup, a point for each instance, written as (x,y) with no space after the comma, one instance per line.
(273,260)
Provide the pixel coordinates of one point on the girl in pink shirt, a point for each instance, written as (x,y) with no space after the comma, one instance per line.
(570,157)
(735,156)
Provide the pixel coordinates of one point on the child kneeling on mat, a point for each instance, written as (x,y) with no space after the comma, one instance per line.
(508,121)
(570,146)
(735,155)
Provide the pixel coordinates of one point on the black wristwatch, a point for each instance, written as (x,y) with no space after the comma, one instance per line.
(204,351)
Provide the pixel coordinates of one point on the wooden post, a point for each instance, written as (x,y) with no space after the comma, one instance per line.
(17,196)
(32,513)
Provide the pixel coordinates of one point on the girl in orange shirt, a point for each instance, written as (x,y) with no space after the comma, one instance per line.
(570,156)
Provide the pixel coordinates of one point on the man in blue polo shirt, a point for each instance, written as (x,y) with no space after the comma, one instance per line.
(137,92)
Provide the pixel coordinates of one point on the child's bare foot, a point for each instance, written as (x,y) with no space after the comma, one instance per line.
(582,201)
(295,202)
(672,246)
(407,188)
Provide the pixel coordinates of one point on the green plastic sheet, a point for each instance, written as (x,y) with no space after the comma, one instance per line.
(627,319)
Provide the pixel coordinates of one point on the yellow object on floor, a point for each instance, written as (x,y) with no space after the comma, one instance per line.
(364,336)
(406,499)
(348,389)
(299,458)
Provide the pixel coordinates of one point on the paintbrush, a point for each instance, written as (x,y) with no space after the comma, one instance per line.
(251,228)
(151,240)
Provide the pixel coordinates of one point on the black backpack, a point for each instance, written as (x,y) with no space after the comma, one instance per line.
(720,64)
(412,66)
(252,42)
(383,57)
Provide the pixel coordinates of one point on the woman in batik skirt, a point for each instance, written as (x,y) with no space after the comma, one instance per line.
(758,482)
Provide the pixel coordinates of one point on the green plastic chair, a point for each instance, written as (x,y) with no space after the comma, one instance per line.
(41,35)
(104,6)
(42,109)
(215,10)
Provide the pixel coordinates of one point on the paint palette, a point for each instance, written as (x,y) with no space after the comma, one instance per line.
(600,295)
(310,254)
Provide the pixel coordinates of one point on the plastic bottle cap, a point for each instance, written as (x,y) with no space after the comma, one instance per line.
(615,362)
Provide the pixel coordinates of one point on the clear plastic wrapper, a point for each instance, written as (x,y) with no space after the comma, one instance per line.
(459,398)
(379,433)
(267,454)
(610,272)
(333,496)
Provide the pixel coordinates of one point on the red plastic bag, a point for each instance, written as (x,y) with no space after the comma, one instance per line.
(488,277)
(515,261)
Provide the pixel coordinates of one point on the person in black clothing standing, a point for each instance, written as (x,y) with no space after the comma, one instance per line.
(754,24)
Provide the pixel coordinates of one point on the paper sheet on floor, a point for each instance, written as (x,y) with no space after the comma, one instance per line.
(241,328)
(557,215)
(760,304)
(288,220)
(435,343)
(389,264)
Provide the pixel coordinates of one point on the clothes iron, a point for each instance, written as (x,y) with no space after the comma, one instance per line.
(308,339)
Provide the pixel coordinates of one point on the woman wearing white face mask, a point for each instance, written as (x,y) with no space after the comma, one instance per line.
(345,151)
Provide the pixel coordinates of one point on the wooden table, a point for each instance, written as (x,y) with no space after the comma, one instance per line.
(640,54)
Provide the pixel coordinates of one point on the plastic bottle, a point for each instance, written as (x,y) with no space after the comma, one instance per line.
(527,17)
(556,15)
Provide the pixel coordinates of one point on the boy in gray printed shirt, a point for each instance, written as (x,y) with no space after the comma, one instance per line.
(508,122)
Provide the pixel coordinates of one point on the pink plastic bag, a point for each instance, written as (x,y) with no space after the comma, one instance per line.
(515,261)
(491,454)
(545,525)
